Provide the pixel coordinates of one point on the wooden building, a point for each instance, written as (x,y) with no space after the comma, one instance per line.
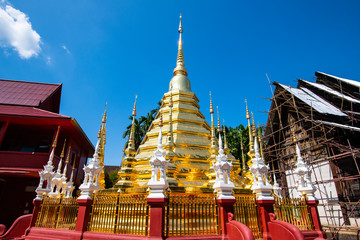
(29,118)
(324,117)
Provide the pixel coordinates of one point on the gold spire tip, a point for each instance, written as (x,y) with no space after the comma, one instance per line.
(63,150)
(134,109)
(211,105)
(180,25)
(247,110)
(219,127)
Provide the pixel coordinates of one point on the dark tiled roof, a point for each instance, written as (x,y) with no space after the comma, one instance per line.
(25,93)
(28,112)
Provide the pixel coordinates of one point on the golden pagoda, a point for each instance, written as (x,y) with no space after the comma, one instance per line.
(191,145)
(102,136)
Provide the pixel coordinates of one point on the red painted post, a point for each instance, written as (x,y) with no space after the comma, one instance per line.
(315,216)
(83,214)
(224,207)
(37,205)
(265,207)
(157,217)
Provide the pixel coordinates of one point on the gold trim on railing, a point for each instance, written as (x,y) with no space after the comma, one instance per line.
(58,213)
(294,211)
(113,212)
(246,212)
(189,214)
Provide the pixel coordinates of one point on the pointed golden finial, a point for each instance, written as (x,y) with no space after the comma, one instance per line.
(134,109)
(251,140)
(103,120)
(211,105)
(247,110)
(56,137)
(253,126)
(161,120)
(218,126)
(68,155)
(130,150)
(180,63)
(67,161)
(63,150)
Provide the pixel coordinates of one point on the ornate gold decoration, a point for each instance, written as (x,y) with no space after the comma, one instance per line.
(102,136)
(127,172)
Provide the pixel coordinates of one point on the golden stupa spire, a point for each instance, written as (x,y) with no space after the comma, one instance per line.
(56,137)
(180,62)
(63,150)
(131,142)
(218,126)
(248,117)
(214,145)
(127,172)
(67,161)
(253,126)
(101,153)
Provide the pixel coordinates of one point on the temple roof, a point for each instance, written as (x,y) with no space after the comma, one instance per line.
(25,111)
(41,95)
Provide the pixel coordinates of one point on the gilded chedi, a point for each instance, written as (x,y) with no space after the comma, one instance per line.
(190,142)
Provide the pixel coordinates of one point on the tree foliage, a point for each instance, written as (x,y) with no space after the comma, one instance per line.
(142,124)
(111,178)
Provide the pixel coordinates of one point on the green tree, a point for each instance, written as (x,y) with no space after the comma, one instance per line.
(142,125)
(111,178)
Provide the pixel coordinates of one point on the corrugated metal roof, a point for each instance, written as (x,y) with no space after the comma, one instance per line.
(331,91)
(313,100)
(351,82)
(25,93)
(28,112)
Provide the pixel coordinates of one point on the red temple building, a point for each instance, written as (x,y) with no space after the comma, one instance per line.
(29,119)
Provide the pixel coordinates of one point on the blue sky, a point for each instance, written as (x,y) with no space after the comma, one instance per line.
(108,51)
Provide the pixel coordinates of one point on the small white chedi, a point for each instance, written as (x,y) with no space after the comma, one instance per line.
(261,186)
(158,183)
(304,186)
(46,176)
(92,173)
(222,167)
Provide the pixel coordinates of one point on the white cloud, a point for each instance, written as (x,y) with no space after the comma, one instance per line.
(66,49)
(48,60)
(16,32)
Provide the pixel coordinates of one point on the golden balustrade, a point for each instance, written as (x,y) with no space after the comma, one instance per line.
(294,211)
(246,212)
(188,214)
(60,213)
(113,212)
